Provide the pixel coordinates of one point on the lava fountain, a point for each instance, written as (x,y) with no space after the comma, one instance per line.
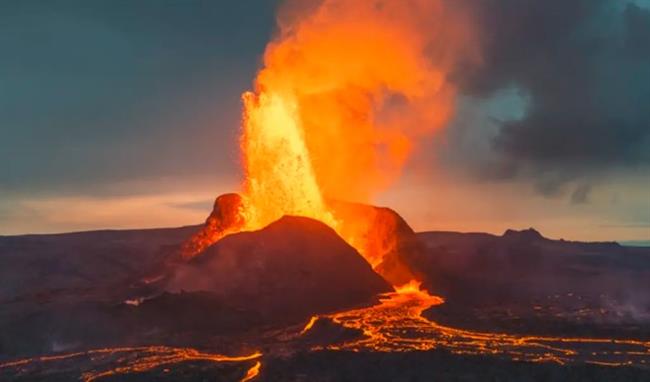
(346,91)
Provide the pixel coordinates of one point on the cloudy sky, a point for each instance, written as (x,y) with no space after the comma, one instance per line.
(117,114)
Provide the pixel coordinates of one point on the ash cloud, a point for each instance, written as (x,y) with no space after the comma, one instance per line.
(585,69)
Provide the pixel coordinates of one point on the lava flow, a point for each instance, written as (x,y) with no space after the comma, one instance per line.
(396,324)
(108,362)
(346,91)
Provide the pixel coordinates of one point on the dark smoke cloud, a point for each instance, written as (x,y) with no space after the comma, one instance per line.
(581,194)
(584,66)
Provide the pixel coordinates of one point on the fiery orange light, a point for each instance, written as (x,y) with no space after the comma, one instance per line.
(253,372)
(346,91)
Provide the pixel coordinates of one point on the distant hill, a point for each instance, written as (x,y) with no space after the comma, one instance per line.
(521,276)
(31,263)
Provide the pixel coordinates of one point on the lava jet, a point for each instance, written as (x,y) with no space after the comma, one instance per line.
(297,275)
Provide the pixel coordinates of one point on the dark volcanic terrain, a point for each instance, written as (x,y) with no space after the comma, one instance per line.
(522,282)
(256,290)
(123,289)
(290,270)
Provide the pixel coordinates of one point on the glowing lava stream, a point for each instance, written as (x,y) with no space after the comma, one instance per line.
(252,372)
(396,324)
(137,359)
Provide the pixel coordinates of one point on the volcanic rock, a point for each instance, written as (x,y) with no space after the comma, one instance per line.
(224,219)
(385,235)
(381,235)
(527,235)
(524,282)
(294,267)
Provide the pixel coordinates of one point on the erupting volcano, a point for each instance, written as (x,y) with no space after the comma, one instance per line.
(298,267)
(345,93)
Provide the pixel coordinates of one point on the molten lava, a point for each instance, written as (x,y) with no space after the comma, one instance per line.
(346,91)
(397,324)
(253,372)
(107,362)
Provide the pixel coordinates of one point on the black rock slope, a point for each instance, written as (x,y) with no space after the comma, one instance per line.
(295,267)
(73,291)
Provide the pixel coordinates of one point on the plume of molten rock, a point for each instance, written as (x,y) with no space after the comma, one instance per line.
(347,90)
(379,234)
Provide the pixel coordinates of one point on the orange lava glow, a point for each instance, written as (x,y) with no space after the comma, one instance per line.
(128,360)
(396,325)
(309,325)
(252,372)
(346,91)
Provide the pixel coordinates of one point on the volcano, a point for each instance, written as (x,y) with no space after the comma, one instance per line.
(381,234)
(280,275)
(294,267)
(294,296)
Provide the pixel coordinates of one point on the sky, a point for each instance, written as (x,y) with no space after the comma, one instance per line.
(125,114)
